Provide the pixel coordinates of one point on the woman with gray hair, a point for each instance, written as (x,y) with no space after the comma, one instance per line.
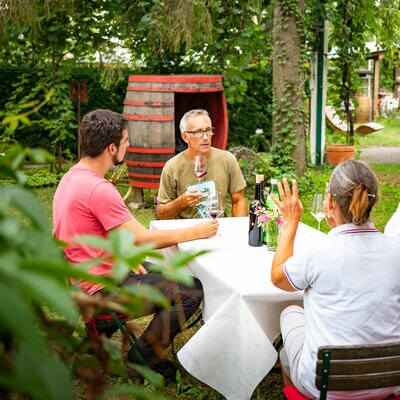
(350,277)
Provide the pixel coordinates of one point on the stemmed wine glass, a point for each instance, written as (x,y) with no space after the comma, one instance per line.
(199,168)
(317,209)
(214,205)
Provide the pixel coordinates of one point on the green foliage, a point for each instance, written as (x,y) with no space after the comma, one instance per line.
(40,355)
(36,177)
(187,391)
(352,23)
(253,114)
(348,35)
(386,75)
(46,40)
(56,124)
(134,391)
(14,159)
(339,137)
(29,366)
(41,178)
(252,163)
(21,113)
(38,346)
(218,37)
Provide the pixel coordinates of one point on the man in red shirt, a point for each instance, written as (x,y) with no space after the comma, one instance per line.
(85,203)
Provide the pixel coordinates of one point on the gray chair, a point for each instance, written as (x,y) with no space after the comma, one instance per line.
(361,367)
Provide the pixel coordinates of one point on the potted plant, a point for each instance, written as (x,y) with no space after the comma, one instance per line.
(341,137)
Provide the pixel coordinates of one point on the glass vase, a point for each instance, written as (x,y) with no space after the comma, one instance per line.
(273,231)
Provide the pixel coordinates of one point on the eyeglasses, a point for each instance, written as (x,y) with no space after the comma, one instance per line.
(200,132)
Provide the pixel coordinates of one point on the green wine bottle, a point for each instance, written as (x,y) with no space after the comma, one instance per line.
(269,203)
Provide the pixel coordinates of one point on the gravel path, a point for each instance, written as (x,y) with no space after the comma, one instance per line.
(390,155)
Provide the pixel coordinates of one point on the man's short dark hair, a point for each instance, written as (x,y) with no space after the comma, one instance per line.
(99,129)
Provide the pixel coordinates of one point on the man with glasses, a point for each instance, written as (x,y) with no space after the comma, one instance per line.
(179,196)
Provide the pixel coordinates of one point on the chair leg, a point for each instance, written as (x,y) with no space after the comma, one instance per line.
(195,321)
(278,343)
(132,340)
(277,346)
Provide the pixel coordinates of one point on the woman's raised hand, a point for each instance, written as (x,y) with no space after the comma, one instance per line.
(290,205)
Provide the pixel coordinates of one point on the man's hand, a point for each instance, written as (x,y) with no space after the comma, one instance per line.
(206,229)
(142,270)
(171,209)
(191,197)
(290,206)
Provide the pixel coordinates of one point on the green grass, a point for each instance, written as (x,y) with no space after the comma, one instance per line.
(389,136)
(389,194)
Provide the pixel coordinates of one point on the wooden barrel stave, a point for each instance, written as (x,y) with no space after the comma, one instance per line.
(162,134)
(150,96)
(363,110)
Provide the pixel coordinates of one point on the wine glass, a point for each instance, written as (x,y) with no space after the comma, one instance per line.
(214,205)
(199,168)
(317,209)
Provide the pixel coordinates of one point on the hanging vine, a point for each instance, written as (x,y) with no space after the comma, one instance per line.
(288,150)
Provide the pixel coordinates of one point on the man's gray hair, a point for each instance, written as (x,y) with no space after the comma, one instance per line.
(183,124)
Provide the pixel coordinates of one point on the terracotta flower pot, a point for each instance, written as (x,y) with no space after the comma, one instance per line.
(337,153)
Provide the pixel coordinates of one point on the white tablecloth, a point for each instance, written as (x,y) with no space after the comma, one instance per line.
(232,352)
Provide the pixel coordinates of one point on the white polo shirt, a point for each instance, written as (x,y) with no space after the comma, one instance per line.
(392,228)
(351,279)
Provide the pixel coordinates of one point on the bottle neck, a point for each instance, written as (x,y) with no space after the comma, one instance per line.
(259,195)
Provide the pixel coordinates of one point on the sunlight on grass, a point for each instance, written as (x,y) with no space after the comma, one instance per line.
(389,136)
(389,194)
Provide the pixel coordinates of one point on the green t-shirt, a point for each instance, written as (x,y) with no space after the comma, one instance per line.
(222,167)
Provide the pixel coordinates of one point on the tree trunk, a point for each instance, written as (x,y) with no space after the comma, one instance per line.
(288,121)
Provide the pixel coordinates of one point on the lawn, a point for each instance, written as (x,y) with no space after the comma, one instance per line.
(389,136)
(389,194)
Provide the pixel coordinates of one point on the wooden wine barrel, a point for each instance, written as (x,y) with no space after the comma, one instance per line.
(363,111)
(154,105)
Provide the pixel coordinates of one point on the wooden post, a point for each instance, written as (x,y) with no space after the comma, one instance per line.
(396,80)
(138,198)
(78,93)
(79,120)
(375,108)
